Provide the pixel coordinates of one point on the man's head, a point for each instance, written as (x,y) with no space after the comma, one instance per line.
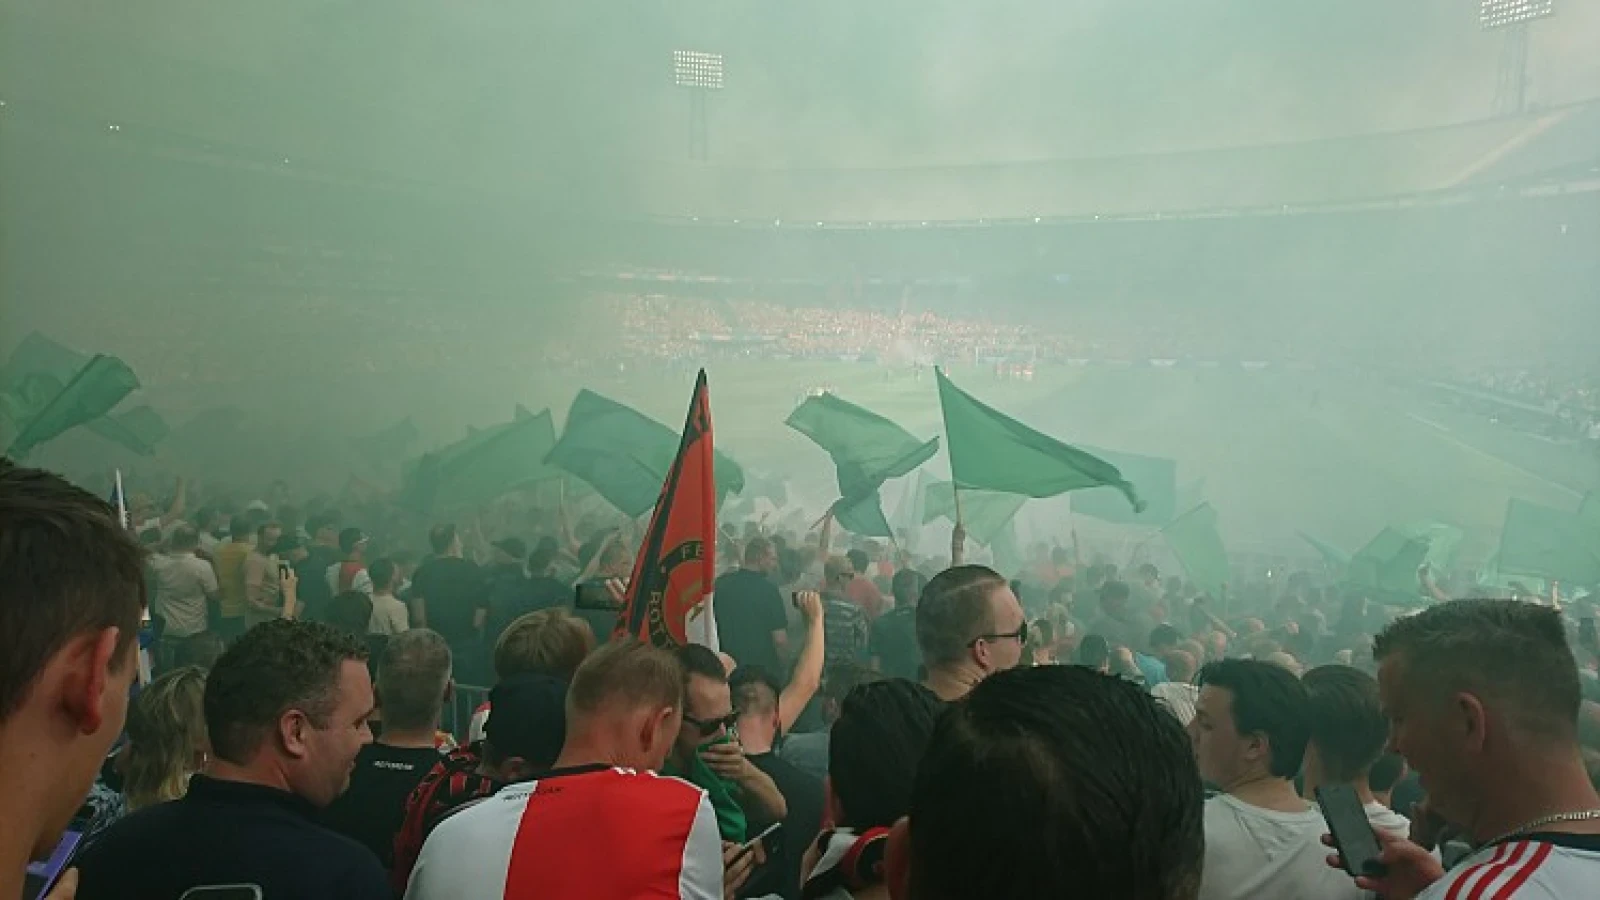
(353,543)
(323,528)
(873,751)
(290,700)
(1164,638)
(1114,598)
(549,642)
(527,725)
(542,558)
(906,587)
(968,617)
(1078,785)
(444,540)
(267,535)
(383,574)
(1471,685)
(242,529)
(859,561)
(351,612)
(184,540)
(627,696)
(1348,730)
(755,699)
(707,701)
(761,556)
(1181,665)
(837,573)
(1150,577)
(1385,774)
(1250,722)
(1094,652)
(413,680)
(72,591)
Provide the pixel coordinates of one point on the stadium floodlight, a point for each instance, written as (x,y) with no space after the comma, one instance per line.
(697,69)
(1505,13)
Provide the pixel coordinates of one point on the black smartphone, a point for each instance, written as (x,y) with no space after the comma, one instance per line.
(1352,832)
(223,892)
(41,876)
(764,839)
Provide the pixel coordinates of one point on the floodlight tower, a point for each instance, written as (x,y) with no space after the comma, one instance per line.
(699,73)
(1512,17)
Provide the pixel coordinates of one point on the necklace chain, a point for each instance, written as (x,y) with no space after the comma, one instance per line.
(1581,816)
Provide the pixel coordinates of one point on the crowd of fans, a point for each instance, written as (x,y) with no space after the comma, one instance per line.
(265,707)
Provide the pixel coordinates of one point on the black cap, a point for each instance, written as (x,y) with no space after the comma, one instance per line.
(528,718)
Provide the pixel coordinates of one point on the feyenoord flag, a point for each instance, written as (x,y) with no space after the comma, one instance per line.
(668,601)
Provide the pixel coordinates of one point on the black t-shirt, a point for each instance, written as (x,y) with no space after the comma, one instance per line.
(512,598)
(802,793)
(749,608)
(228,832)
(313,590)
(375,804)
(894,643)
(452,590)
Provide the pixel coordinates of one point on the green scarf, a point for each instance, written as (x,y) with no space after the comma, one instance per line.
(730,818)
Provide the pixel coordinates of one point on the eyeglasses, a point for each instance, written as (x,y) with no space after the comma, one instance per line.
(1020,636)
(708,727)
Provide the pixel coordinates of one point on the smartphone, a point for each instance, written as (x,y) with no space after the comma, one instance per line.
(749,845)
(1352,832)
(284,569)
(41,876)
(223,892)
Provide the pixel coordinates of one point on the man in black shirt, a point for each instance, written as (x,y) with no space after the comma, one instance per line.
(893,642)
(286,711)
(511,598)
(448,595)
(413,685)
(755,700)
(314,591)
(751,621)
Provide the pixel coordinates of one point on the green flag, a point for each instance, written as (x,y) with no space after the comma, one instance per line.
(483,466)
(139,429)
(992,451)
(983,513)
(1549,543)
(1335,558)
(867,450)
(1154,477)
(91,393)
(1387,567)
(1442,538)
(624,455)
(1197,544)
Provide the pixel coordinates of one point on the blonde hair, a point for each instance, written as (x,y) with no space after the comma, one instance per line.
(166,733)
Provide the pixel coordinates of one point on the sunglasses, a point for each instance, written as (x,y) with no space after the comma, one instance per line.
(708,727)
(1020,636)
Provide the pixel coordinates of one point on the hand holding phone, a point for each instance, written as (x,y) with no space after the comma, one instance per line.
(758,840)
(1352,833)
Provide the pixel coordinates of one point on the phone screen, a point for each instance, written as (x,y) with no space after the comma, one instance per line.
(223,892)
(42,876)
(1352,832)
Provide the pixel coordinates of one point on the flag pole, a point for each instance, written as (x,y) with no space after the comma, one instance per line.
(122,502)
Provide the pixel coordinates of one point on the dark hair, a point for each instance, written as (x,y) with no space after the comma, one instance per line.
(1510,653)
(279,665)
(184,537)
(1148,570)
(321,520)
(757,548)
(1094,651)
(953,610)
(1164,635)
(241,528)
(441,536)
(1084,785)
(542,557)
(351,611)
(412,675)
(906,586)
(1347,724)
(1386,772)
(1268,700)
(755,690)
(382,572)
(67,568)
(700,660)
(1115,591)
(874,748)
(859,560)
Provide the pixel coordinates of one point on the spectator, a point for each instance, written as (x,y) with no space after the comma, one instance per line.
(167,740)
(1099,786)
(751,622)
(508,560)
(541,839)
(808,751)
(185,586)
(286,709)
(518,746)
(1384,775)
(229,560)
(1121,625)
(1250,732)
(447,595)
(533,590)
(1482,698)
(843,622)
(1177,694)
(73,594)
(893,641)
(413,687)
(350,572)
(877,742)
(1348,732)
(550,642)
(312,570)
(860,590)
(755,700)
(263,590)
(969,626)
(1095,654)
(389,615)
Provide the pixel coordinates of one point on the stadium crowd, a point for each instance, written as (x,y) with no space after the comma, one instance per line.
(249,699)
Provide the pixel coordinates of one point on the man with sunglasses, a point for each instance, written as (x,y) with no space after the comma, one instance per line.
(969,626)
(707,751)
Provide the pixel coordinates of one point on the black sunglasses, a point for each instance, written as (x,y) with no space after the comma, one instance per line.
(1020,636)
(708,727)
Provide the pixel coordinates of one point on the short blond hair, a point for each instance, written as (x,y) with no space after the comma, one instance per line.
(547,642)
(627,672)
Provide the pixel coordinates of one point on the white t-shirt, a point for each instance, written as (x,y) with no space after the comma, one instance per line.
(1543,867)
(389,616)
(1254,854)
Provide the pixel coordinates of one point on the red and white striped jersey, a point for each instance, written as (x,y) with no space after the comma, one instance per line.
(1538,867)
(585,833)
